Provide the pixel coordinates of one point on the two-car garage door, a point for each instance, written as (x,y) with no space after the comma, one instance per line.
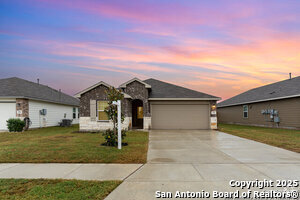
(180,116)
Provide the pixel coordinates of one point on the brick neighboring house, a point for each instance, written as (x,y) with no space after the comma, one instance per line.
(44,106)
(273,105)
(149,104)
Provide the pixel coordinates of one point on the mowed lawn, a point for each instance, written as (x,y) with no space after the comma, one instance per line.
(64,145)
(284,138)
(55,189)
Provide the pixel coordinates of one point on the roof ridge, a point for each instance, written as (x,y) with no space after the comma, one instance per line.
(178,86)
(181,87)
(280,89)
(35,83)
(289,79)
(19,87)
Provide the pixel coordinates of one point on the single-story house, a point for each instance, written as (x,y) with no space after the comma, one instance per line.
(43,105)
(149,104)
(273,105)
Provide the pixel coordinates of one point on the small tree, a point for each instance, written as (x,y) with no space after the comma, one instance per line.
(111,136)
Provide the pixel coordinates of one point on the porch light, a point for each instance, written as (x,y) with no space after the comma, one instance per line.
(213,107)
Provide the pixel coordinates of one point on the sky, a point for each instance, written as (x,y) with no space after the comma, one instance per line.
(221,48)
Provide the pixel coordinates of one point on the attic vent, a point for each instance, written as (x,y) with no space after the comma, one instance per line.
(272,92)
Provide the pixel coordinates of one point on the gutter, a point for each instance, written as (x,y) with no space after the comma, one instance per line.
(183,99)
(37,99)
(271,99)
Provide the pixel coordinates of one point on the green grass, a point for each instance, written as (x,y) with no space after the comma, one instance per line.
(284,138)
(55,189)
(64,145)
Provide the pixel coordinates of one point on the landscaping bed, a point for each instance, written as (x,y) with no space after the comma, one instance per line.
(284,138)
(55,189)
(67,145)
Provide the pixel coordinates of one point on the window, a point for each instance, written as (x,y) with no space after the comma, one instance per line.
(101,105)
(245,111)
(74,113)
(140,113)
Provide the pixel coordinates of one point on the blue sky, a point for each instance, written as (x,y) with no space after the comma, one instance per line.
(218,47)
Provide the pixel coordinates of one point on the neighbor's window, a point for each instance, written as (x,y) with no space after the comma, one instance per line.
(74,113)
(101,105)
(245,111)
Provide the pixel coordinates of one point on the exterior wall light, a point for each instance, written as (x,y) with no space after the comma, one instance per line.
(213,107)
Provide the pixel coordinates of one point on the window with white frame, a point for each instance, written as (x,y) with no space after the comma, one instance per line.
(245,111)
(102,115)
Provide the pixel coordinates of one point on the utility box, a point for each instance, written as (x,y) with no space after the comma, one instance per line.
(276,119)
(43,112)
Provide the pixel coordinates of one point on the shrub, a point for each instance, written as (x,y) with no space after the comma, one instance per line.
(111,139)
(15,125)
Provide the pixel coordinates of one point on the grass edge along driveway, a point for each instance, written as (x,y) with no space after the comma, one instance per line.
(284,138)
(65,145)
(55,189)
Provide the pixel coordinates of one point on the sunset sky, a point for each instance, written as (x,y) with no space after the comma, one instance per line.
(218,47)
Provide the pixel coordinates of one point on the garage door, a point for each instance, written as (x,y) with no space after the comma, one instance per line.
(180,116)
(7,110)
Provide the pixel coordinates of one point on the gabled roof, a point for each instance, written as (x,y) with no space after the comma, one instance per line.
(19,88)
(135,79)
(96,85)
(280,90)
(92,87)
(165,91)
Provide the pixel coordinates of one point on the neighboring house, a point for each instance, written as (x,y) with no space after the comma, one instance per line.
(273,105)
(44,106)
(149,104)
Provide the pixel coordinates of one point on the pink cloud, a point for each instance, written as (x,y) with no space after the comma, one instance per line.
(163,12)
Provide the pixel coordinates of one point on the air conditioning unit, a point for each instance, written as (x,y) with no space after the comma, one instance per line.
(43,112)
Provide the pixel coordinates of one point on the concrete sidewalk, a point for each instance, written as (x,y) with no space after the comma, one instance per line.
(98,172)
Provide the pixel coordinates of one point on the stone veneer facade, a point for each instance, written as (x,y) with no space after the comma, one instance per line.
(138,90)
(99,93)
(135,89)
(22,105)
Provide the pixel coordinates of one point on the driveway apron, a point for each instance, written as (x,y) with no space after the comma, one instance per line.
(204,161)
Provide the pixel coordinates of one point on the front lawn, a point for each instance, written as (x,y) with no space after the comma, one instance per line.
(64,145)
(55,189)
(284,138)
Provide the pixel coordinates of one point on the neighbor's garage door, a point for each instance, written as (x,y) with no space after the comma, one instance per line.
(180,116)
(7,110)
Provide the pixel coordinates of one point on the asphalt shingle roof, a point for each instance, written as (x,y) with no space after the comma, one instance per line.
(160,89)
(283,89)
(16,87)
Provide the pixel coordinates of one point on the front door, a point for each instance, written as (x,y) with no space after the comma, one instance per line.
(137,114)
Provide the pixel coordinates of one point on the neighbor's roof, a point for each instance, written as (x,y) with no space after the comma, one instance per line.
(19,88)
(280,90)
(165,91)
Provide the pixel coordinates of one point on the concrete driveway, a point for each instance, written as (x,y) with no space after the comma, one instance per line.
(203,160)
